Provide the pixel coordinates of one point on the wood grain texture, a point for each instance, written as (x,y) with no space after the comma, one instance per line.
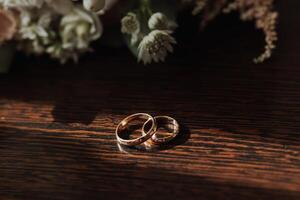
(241,122)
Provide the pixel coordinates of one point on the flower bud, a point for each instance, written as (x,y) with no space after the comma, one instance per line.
(130,24)
(158,21)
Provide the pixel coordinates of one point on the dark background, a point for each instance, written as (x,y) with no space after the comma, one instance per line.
(241,121)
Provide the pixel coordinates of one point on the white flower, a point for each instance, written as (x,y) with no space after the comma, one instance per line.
(155,46)
(109,4)
(22,3)
(60,6)
(79,28)
(94,5)
(160,21)
(33,31)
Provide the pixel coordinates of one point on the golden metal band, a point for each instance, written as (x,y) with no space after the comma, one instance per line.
(163,121)
(146,136)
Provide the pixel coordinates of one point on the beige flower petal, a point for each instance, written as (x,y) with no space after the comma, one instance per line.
(8,25)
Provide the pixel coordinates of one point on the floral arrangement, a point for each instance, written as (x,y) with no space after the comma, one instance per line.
(65,29)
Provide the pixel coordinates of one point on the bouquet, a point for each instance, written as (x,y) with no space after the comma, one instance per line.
(65,29)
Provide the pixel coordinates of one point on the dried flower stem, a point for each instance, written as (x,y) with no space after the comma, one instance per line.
(259,11)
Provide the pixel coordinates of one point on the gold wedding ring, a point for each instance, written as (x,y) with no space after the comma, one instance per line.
(148,132)
(146,136)
(164,122)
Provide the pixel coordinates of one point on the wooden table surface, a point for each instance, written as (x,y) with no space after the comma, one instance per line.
(241,122)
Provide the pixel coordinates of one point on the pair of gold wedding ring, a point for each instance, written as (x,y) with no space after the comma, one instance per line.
(149,129)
